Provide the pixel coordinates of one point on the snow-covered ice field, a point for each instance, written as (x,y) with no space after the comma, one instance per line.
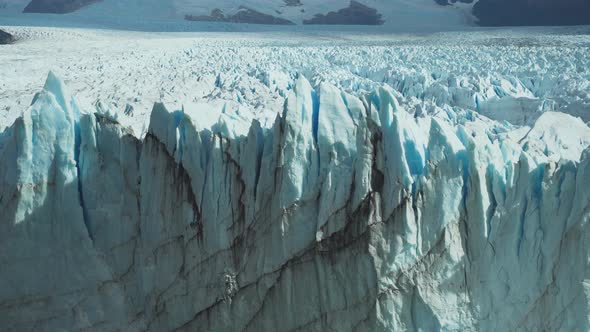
(504,74)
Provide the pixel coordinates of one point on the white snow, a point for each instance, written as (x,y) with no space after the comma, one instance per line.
(558,136)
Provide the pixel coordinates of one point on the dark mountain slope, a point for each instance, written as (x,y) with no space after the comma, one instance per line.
(6,38)
(57,6)
(527,12)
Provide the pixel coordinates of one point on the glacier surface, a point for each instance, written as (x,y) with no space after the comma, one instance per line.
(348,212)
(508,75)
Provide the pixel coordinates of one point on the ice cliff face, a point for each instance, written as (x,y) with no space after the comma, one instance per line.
(347,214)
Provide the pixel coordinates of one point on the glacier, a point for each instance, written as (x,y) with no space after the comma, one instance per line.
(345,213)
(507,75)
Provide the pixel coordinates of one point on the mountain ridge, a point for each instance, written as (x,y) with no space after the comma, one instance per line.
(484,12)
(57,6)
(394,13)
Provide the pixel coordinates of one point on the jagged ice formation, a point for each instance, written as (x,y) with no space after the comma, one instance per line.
(511,75)
(347,214)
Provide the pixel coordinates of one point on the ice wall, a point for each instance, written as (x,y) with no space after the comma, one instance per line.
(347,214)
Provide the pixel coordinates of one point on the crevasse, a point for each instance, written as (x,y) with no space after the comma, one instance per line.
(346,214)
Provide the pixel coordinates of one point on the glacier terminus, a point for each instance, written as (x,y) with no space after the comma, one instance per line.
(346,213)
(294,165)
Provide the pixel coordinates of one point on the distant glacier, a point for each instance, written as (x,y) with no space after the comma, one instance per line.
(348,213)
